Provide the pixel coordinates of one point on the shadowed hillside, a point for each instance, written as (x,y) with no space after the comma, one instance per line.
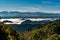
(7,33)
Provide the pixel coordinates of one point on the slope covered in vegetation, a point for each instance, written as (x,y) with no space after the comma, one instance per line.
(50,31)
(7,33)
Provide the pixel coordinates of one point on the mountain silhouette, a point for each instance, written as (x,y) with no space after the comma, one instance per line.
(36,22)
(15,14)
(7,21)
(27,22)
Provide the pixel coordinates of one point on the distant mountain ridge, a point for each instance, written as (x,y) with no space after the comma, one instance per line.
(15,14)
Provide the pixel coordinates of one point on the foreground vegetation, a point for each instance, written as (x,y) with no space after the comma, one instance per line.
(50,31)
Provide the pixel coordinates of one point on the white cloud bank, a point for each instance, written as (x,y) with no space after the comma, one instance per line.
(19,21)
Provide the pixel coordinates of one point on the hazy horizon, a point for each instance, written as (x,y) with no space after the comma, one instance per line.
(48,6)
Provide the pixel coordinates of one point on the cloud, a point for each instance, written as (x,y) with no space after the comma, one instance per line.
(46,2)
(25,9)
(29,9)
(50,2)
(38,9)
(14,21)
(58,5)
(52,11)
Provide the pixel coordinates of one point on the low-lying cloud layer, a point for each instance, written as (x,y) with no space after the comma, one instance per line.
(19,21)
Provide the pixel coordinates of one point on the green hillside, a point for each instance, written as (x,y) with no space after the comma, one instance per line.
(7,33)
(50,31)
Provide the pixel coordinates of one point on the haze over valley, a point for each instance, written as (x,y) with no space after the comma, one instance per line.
(20,20)
(19,17)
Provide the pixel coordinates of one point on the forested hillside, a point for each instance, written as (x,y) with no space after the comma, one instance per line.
(7,33)
(50,31)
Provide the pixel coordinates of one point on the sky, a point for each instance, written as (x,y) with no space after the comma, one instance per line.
(49,6)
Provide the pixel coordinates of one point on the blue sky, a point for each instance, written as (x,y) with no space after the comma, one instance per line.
(30,5)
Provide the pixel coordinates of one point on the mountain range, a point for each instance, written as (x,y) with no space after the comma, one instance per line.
(15,14)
